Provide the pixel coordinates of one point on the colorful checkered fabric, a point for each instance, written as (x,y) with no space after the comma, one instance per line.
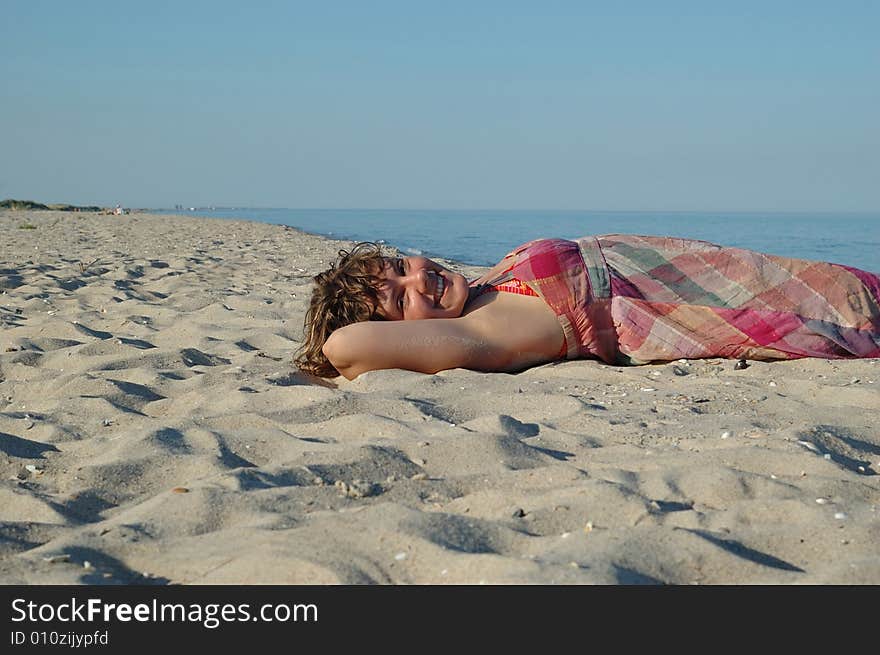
(638,299)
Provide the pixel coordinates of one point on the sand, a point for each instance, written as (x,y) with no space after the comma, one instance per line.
(153,430)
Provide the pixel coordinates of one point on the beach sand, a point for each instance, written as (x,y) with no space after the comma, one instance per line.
(154,430)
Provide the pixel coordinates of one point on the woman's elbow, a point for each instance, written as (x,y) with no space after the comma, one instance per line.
(335,351)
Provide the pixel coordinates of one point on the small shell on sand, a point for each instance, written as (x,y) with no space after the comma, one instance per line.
(55,559)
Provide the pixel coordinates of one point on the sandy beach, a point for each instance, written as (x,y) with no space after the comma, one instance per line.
(154,430)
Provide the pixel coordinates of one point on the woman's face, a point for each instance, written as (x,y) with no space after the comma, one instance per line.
(412,288)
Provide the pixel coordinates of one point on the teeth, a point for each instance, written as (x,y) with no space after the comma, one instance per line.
(441,286)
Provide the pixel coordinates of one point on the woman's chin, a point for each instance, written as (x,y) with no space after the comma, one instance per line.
(459,292)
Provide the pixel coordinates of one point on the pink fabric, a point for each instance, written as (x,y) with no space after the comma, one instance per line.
(636,299)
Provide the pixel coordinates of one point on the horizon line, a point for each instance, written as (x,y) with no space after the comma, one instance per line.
(529,209)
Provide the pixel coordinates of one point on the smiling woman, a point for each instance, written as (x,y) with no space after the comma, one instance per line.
(623,299)
(415,288)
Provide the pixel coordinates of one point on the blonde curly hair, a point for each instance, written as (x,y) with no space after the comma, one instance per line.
(343,294)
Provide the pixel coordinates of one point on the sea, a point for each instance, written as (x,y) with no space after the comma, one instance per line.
(483,237)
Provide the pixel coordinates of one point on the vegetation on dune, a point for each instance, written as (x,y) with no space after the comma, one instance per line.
(21,204)
(31,205)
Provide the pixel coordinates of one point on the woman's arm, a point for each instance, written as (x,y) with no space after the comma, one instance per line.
(508,334)
(426,346)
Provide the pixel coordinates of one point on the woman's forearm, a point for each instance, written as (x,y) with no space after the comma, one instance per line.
(425,346)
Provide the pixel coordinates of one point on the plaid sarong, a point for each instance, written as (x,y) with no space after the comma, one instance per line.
(638,299)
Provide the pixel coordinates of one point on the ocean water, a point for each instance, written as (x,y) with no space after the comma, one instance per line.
(483,237)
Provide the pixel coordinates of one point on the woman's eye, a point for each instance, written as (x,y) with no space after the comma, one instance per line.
(400,266)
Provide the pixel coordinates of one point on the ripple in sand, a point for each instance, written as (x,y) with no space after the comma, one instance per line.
(845,448)
(195,357)
(45,344)
(26,506)
(14,446)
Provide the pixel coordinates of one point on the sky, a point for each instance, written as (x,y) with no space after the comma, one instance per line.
(687,106)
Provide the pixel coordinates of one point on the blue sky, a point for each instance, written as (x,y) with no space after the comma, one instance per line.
(556,105)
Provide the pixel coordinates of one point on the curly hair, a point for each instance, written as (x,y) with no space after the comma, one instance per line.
(343,294)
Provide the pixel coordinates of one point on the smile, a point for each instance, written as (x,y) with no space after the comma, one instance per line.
(439,288)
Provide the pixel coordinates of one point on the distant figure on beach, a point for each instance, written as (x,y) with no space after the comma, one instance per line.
(621,299)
